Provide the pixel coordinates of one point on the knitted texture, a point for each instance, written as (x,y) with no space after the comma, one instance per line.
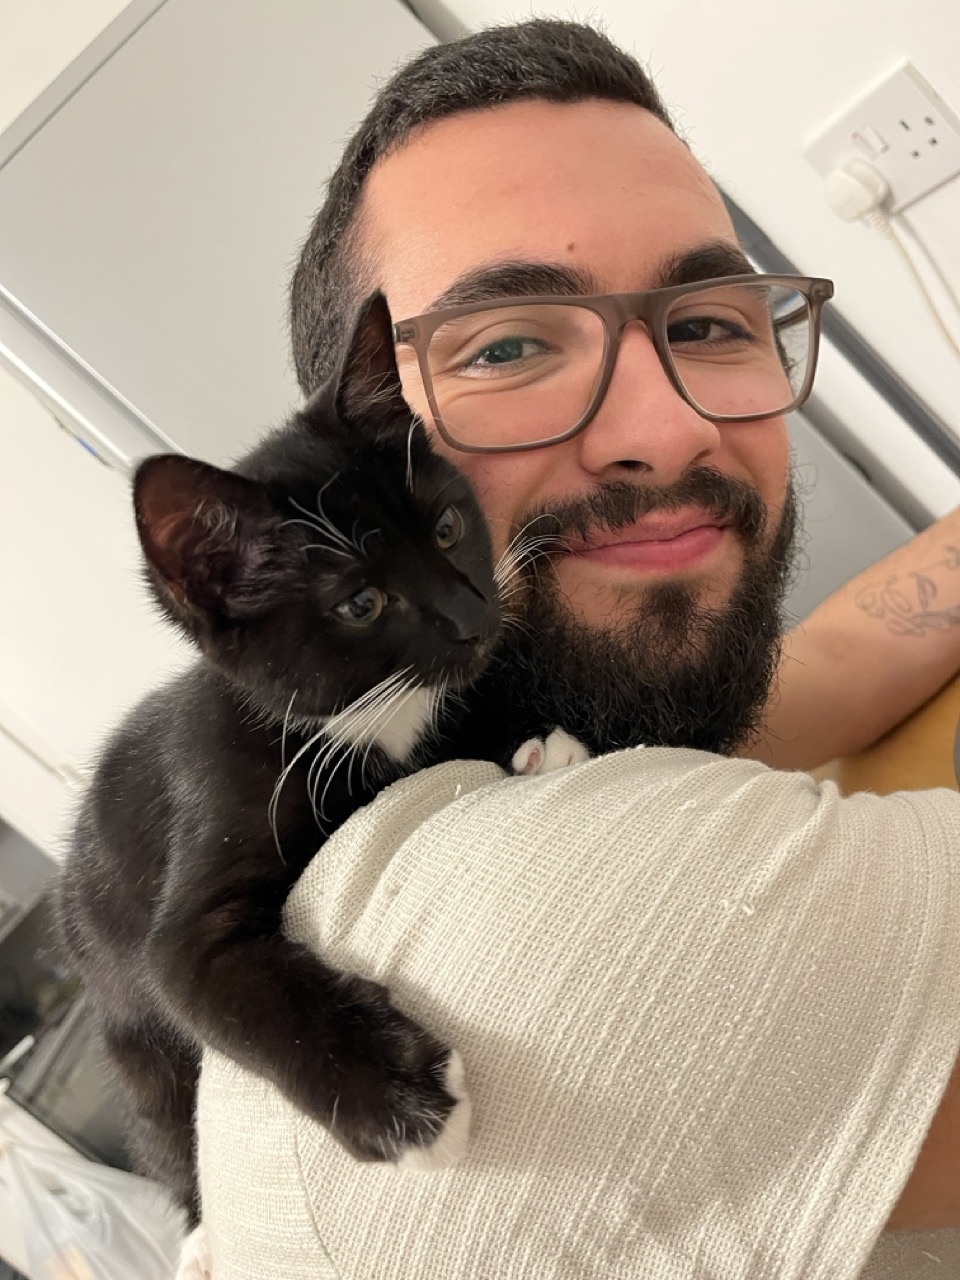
(707,1012)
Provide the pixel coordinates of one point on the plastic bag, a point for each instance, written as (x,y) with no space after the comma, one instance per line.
(84,1221)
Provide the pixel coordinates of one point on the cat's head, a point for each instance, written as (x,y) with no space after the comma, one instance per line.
(342,553)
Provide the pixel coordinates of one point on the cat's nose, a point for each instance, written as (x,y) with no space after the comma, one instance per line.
(467,617)
(466,633)
(464,630)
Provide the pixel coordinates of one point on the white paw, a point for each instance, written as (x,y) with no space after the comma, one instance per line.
(539,756)
(529,757)
(451,1142)
(195,1260)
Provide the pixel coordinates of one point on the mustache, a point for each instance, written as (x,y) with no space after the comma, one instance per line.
(616,505)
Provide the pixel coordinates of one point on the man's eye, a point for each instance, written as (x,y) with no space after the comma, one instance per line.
(449,529)
(706,331)
(506,351)
(360,609)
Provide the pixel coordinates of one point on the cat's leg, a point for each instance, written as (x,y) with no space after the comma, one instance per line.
(539,755)
(157,1073)
(334,1043)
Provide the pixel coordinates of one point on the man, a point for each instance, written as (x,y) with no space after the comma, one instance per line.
(538,162)
(611,192)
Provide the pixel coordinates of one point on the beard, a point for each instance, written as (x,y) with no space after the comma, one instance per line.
(671,671)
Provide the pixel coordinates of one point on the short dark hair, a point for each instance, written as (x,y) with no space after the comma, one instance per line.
(547,59)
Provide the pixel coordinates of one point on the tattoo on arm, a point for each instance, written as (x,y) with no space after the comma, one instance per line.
(907,603)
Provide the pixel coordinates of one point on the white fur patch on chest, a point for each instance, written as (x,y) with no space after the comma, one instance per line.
(398,730)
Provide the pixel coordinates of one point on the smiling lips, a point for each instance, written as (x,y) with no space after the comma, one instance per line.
(665,542)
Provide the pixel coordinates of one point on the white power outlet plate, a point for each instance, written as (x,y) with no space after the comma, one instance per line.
(903,128)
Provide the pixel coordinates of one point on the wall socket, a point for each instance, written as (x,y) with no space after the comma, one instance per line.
(903,128)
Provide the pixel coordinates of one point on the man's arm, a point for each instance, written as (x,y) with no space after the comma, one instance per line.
(869,655)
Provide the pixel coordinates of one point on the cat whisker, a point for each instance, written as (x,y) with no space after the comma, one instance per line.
(517,557)
(315,523)
(455,696)
(319,811)
(547,540)
(283,739)
(328,523)
(311,524)
(520,550)
(364,761)
(324,730)
(320,521)
(363,541)
(517,538)
(326,546)
(335,721)
(383,712)
(253,713)
(517,624)
(274,804)
(516,586)
(413,427)
(383,391)
(379,719)
(316,527)
(368,715)
(439,700)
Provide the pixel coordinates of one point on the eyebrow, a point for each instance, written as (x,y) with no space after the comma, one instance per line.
(518,278)
(514,279)
(711,260)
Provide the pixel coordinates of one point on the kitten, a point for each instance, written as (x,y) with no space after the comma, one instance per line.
(337,581)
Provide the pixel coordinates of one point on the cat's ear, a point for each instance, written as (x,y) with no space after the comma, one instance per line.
(208,534)
(367,382)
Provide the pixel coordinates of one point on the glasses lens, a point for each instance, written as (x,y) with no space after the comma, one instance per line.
(741,349)
(512,375)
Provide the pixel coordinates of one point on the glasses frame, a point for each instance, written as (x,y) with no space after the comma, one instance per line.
(615,311)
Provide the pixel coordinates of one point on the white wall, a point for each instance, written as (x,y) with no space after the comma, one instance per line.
(62,678)
(38,39)
(79,643)
(748,82)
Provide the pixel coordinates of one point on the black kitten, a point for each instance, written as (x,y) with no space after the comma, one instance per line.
(337,581)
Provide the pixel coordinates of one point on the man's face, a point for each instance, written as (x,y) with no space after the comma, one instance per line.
(605,190)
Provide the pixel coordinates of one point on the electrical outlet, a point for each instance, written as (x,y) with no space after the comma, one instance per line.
(903,128)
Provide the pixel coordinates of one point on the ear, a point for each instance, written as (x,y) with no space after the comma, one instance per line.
(367,381)
(207,533)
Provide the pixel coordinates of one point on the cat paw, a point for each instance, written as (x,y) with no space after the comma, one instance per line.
(538,756)
(452,1139)
(402,1099)
(195,1260)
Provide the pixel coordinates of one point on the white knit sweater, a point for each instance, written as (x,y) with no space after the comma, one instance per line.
(707,1012)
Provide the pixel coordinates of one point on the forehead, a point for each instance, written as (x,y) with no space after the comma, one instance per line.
(601,187)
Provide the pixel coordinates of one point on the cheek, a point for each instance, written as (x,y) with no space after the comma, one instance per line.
(760,453)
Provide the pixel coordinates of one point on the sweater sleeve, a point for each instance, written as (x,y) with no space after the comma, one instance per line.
(707,1012)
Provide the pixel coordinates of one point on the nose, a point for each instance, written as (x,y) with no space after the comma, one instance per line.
(466,616)
(644,424)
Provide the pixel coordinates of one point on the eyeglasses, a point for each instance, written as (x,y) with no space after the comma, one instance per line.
(524,373)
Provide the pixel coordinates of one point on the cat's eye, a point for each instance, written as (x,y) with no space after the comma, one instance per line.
(449,529)
(362,608)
